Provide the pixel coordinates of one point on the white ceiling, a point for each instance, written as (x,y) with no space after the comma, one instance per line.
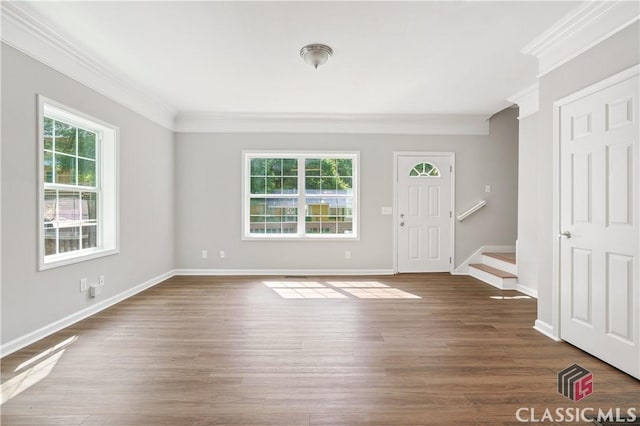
(242,57)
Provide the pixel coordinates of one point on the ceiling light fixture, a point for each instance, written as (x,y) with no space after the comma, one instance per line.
(316,54)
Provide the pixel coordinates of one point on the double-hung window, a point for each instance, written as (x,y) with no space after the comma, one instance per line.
(300,195)
(78,186)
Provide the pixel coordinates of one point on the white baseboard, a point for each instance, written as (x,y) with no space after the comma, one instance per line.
(293,272)
(476,257)
(527,290)
(34,336)
(546,329)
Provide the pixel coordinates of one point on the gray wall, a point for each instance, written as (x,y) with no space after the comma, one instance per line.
(181,194)
(613,55)
(528,202)
(32,299)
(209,197)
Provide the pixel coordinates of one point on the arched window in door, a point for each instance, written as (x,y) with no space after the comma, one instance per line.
(424,170)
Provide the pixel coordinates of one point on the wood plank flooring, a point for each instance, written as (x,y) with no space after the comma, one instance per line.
(232,350)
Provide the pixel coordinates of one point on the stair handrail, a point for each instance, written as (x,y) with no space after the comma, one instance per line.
(477,206)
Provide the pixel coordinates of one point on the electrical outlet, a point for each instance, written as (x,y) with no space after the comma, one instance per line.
(101,280)
(205,254)
(95,290)
(222,254)
(347,254)
(83,284)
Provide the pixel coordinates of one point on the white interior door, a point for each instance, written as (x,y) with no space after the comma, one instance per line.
(599,186)
(424,213)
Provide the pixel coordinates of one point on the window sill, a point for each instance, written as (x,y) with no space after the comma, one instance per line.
(306,238)
(77,257)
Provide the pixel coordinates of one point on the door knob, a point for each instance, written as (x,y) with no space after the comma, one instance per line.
(565,234)
(401,223)
(401,215)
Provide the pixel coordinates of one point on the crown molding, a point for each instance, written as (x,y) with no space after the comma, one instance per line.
(407,124)
(24,31)
(527,100)
(29,33)
(584,27)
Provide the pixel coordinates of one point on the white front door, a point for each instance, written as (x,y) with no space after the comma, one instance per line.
(599,215)
(423,212)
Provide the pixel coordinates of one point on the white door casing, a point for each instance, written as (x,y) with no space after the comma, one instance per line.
(599,223)
(424,210)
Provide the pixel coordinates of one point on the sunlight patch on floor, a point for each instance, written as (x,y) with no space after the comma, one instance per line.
(39,368)
(45,353)
(28,378)
(380,293)
(309,293)
(292,284)
(340,290)
(509,297)
(356,284)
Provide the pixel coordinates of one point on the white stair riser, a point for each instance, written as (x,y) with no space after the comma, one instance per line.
(501,283)
(500,264)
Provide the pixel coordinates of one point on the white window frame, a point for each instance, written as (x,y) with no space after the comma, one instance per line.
(107,184)
(300,235)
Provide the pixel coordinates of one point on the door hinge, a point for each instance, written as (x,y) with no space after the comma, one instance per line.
(449,259)
(450,214)
(450,168)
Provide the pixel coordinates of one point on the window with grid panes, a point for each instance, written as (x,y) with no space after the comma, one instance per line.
(300,195)
(78,201)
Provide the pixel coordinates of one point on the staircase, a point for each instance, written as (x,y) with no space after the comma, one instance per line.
(497,269)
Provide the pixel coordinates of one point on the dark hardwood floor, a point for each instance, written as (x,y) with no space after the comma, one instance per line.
(232,350)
